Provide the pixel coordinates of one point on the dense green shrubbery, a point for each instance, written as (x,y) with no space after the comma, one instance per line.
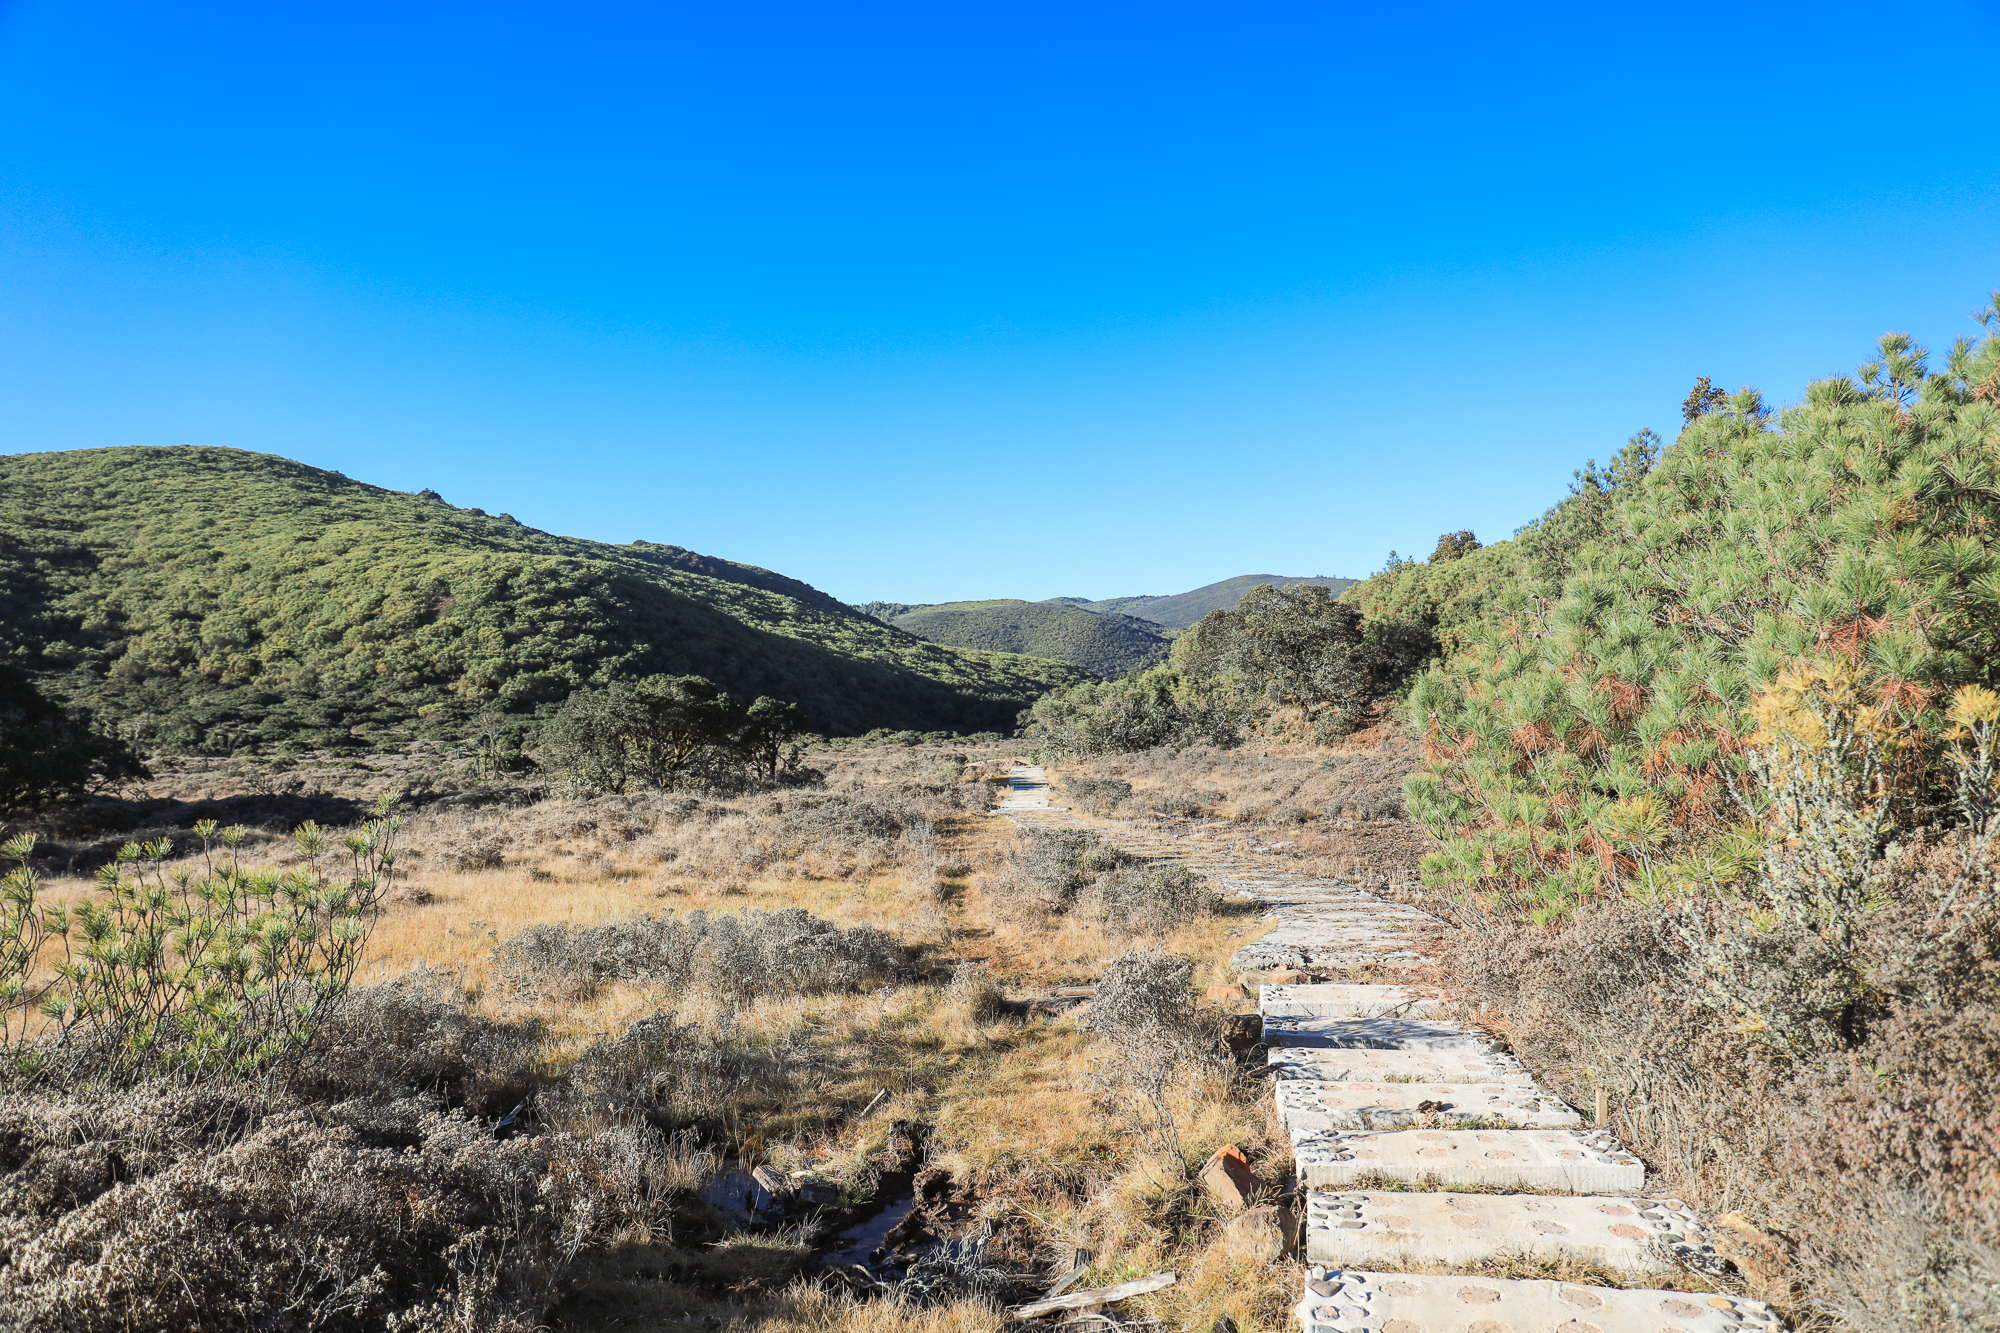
(670,731)
(1157,707)
(211,599)
(48,751)
(1612,655)
(1288,658)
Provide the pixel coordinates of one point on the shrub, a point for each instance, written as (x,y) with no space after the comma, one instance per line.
(663,732)
(47,751)
(1146,1012)
(1156,707)
(1758,540)
(417,1034)
(198,971)
(662,1073)
(1194,803)
(1097,795)
(736,958)
(1043,869)
(1297,647)
(973,994)
(1160,898)
(296,1223)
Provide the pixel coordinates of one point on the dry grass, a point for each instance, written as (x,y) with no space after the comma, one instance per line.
(1005,1102)
(1328,810)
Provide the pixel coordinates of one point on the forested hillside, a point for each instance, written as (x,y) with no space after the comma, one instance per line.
(1104,645)
(206,599)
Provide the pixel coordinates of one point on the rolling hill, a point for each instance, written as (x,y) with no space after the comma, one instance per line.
(1104,645)
(1181,610)
(210,599)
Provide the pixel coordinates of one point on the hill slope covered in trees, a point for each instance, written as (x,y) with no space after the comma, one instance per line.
(1105,645)
(207,599)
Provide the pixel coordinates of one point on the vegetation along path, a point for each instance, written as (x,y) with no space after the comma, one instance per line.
(1426,1157)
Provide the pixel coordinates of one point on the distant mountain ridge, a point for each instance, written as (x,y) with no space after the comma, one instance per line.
(1175,610)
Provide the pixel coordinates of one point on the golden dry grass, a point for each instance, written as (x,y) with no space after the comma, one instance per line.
(1009,1104)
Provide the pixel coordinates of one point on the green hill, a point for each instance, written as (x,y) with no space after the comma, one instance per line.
(1105,645)
(214,598)
(1181,610)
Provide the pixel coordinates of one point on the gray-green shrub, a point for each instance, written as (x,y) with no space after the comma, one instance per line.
(739,958)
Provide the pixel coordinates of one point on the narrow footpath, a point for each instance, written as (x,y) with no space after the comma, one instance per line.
(1379,1083)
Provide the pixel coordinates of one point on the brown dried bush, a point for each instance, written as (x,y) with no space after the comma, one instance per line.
(1874,1163)
(418,1034)
(294,1223)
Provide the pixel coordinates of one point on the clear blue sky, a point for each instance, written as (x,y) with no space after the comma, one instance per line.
(958,300)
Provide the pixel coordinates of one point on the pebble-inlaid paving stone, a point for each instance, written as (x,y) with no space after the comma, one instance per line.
(1348,943)
(1357,1301)
(1358,1104)
(1581,1161)
(1344,1001)
(1389,1034)
(1463,1066)
(1374,1229)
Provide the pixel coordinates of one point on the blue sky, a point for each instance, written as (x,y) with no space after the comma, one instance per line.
(925,302)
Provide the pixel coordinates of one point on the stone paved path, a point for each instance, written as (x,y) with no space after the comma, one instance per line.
(1349,1060)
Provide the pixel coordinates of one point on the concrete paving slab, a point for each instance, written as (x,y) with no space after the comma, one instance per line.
(1344,1001)
(1027,789)
(1358,1301)
(1379,1229)
(1387,1034)
(1320,939)
(1580,1161)
(1451,1066)
(1354,1104)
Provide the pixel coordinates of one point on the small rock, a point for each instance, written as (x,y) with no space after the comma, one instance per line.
(1264,1234)
(1228,1178)
(1228,994)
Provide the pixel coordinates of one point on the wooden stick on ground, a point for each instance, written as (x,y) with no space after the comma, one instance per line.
(1082,1300)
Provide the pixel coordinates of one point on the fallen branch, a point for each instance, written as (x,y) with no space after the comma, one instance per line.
(1083,1300)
